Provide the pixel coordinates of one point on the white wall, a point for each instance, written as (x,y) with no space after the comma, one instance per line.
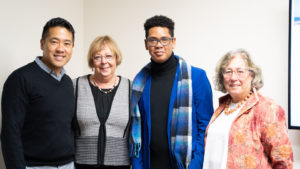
(205,30)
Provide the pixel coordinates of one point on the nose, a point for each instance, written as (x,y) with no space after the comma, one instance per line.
(103,60)
(234,76)
(158,44)
(60,47)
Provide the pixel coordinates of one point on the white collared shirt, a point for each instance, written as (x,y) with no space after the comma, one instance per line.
(216,148)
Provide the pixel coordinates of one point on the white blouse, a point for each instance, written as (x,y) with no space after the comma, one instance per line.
(216,148)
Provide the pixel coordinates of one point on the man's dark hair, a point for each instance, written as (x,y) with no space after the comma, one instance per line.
(57,22)
(159,20)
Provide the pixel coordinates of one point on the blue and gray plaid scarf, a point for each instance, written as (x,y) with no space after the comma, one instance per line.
(181,127)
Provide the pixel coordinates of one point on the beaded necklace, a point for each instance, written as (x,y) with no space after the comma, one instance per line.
(227,111)
(105,91)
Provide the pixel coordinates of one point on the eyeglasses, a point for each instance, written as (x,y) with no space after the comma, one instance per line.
(163,41)
(240,73)
(101,57)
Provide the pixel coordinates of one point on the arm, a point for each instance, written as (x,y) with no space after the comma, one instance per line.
(14,104)
(274,137)
(203,105)
(137,163)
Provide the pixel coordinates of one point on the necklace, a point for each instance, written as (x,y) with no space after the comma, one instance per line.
(227,111)
(104,90)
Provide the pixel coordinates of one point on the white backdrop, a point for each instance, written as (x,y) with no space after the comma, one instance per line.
(205,30)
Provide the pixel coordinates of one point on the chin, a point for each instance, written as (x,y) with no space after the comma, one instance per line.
(235,90)
(58,66)
(59,63)
(106,74)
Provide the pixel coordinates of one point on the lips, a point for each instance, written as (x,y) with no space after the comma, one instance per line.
(234,85)
(159,53)
(59,57)
(104,68)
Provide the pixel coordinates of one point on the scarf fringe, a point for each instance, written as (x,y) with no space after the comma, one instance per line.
(134,150)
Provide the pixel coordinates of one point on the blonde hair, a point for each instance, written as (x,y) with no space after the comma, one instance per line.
(97,45)
(257,81)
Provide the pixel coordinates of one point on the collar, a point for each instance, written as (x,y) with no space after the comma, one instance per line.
(254,98)
(43,66)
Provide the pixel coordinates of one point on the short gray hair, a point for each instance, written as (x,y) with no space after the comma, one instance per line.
(257,81)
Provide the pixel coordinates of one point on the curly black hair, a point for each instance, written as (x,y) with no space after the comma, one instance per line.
(159,20)
(57,22)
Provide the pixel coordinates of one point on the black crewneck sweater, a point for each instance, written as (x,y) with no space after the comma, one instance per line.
(161,86)
(37,112)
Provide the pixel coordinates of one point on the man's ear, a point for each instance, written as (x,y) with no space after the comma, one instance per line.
(146,45)
(173,43)
(42,44)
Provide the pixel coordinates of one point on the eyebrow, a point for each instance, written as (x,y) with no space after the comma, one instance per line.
(56,38)
(68,40)
(160,37)
(236,68)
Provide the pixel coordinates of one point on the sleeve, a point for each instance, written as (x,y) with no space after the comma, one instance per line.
(274,137)
(137,163)
(203,105)
(14,104)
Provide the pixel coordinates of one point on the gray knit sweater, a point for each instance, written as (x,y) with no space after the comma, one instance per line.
(116,149)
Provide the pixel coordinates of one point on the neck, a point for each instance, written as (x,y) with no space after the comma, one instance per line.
(56,69)
(240,98)
(161,68)
(236,100)
(104,82)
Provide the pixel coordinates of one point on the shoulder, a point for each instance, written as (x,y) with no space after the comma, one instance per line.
(23,72)
(20,80)
(124,84)
(266,102)
(199,78)
(125,79)
(200,84)
(81,86)
(198,71)
(28,68)
(67,77)
(268,109)
(84,77)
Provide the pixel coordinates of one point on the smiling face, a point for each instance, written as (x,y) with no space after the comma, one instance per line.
(57,48)
(238,86)
(160,53)
(105,63)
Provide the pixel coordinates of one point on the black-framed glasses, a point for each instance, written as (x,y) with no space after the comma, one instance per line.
(163,41)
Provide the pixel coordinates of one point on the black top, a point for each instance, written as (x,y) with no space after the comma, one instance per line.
(161,86)
(103,102)
(37,111)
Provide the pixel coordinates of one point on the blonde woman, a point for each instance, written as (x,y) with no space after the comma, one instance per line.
(102,110)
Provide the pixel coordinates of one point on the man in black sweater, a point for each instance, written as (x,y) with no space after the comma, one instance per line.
(38,106)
